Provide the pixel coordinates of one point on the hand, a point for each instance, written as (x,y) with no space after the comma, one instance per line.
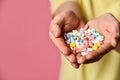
(62,23)
(108,26)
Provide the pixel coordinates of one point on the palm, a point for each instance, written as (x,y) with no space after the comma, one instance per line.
(63,23)
(107,26)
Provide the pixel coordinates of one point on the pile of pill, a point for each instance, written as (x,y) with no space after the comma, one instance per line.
(84,40)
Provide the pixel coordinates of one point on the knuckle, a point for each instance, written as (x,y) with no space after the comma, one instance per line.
(66,52)
(71,58)
(69,12)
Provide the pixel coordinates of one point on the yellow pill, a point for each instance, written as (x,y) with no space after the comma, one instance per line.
(75,31)
(98,44)
(72,45)
(94,47)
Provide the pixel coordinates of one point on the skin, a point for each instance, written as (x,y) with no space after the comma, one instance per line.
(62,23)
(109,27)
(66,19)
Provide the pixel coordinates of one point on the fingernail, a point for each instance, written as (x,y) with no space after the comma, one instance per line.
(76,66)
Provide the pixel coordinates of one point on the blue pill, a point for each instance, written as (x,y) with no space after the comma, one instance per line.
(68,36)
(72,40)
(80,41)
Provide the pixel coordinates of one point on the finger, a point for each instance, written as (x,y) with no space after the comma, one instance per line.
(92,60)
(75,65)
(66,22)
(71,22)
(81,25)
(56,25)
(80,59)
(115,40)
(58,19)
(71,58)
(115,35)
(60,44)
(56,31)
(102,50)
(83,60)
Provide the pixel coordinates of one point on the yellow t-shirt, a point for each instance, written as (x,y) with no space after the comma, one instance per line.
(108,68)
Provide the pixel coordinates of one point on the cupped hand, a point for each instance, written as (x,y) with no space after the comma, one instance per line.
(62,23)
(108,26)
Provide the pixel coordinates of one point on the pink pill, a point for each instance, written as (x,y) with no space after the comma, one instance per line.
(68,41)
(78,38)
(85,41)
(90,43)
(80,49)
(86,45)
(91,38)
(83,46)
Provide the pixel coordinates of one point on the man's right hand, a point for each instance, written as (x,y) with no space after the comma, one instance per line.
(62,23)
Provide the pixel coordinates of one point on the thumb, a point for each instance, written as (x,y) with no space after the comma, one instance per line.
(56,25)
(115,40)
(56,30)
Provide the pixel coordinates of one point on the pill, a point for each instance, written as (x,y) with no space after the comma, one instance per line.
(80,41)
(98,44)
(84,40)
(75,37)
(83,53)
(90,43)
(93,30)
(68,41)
(77,43)
(72,45)
(94,47)
(72,40)
(89,49)
(75,31)
(68,36)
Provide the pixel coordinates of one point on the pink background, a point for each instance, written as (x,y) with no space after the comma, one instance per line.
(26,52)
